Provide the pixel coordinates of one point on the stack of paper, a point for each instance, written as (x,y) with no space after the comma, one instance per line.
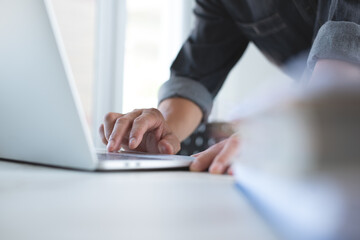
(299,163)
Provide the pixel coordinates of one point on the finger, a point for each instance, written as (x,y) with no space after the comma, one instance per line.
(169,144)
(121,127)
(223,160)
(109,122)
(102,134)
(230,171)
(147,121)
(196,154)
(204,159)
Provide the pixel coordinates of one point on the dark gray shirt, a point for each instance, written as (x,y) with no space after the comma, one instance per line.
(281,29)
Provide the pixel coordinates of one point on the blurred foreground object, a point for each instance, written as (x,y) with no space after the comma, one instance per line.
(299,162)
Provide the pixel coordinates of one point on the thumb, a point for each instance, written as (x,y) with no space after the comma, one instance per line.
(169,144)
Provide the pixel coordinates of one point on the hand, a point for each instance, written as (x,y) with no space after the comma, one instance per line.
(217,158)
(142,130)
(329,68)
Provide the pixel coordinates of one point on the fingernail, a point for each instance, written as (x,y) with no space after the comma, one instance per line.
(132,142)
(162,149)
(217,169)
(110,145)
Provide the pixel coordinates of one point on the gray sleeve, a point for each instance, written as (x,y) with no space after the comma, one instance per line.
(338,40)
(187,88)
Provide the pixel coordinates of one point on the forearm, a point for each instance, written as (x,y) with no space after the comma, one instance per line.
(182,116)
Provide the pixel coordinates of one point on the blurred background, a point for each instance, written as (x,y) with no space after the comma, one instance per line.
(151,35)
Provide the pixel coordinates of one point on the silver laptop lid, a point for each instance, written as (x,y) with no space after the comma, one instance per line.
(39,108)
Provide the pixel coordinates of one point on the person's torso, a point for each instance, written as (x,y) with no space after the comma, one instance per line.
(281,29)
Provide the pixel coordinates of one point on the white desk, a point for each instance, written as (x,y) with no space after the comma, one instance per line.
(47,203)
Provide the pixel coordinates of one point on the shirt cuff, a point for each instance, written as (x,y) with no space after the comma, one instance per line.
(336,40)
(190,89)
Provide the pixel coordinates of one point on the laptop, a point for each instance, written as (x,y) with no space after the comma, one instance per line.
(41,120)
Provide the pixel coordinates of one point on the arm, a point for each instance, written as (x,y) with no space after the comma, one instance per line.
(335,54)
(207,56)
(197,74)
(336,48)
(181,115)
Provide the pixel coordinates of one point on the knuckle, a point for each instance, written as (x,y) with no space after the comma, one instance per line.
(136,110)
(138,119)
(110,117)
(122,120)
(153,111)
(234,140)
(221,159)
(101,129)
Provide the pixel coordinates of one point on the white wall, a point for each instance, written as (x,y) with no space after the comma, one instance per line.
(252,73)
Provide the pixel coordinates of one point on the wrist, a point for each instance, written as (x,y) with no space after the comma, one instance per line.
(181,115)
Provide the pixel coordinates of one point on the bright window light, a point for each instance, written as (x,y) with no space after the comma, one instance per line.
(145,65)
(76,19)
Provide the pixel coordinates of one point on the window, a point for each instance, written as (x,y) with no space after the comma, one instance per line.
(155,31)
(125,48)
(141,37)
(76,19)
(145,69)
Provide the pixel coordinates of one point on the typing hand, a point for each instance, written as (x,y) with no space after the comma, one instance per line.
(141,130)
(330,69)
(218,157)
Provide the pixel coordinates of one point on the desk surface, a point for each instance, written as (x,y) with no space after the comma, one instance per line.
(47,203)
